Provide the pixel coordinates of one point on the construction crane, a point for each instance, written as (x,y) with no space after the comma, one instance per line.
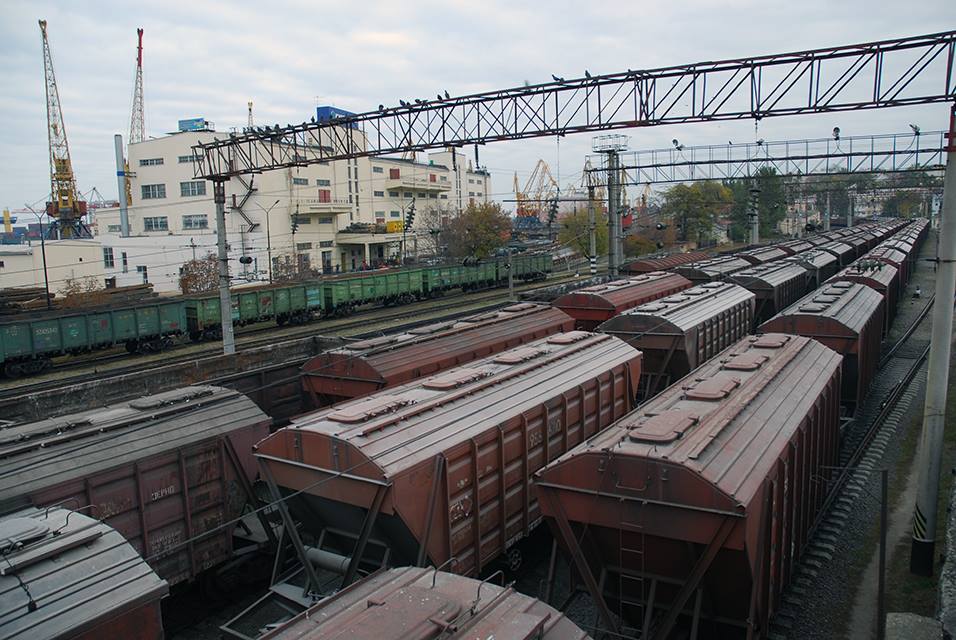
(65,208)
(137,116)
(541,188)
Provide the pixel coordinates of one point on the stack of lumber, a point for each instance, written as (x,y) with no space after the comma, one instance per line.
(23,299)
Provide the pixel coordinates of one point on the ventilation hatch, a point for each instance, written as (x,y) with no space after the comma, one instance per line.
(521,306)
(662,428)
(361,411)
(371,343)
(715,388)
(771,341)
(432,328)
(454,379)
(521,354)
(569,337)
(812,308)
(745,362)
(170,398)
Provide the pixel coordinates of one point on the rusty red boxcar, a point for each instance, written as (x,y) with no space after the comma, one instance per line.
(67,575)
(848,318)
(663,263)
(161,470)
(843,252)
(893,257)
(440,468)
(679,333)
(776,286)
(687,516)
(712,270)
(369,365)
(591,306)
(416,603)
(879,276)
(796,246)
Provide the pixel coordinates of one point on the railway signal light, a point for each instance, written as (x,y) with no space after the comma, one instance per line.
(410,215)
(245,260)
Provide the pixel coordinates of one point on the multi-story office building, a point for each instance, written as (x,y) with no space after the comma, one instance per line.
(329,216)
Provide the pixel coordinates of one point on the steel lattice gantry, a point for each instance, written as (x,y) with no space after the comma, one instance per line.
(890,153)
(898,72)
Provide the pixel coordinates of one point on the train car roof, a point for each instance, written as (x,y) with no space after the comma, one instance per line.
(725,422)
(78,571)
(47,452)
(414,602)
(619,293)
(768,276)
(663,262)
(847,305)
(396,428)
(681,311)
(878,275)
(713,268)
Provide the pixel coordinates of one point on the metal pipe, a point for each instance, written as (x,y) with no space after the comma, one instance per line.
(881,589)
(923,547)
(121,184)
(225,300)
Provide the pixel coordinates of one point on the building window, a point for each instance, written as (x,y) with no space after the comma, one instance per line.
(409,194)
(185,159)
(378,194)
(394,174)
(323,183)
(149,162)
(153,191)
(393,194)
(125,263)
(303,246)
(471,181)
(197,221)
(395,214)
(443,196)
(108,258)
(325,195)
(192,188)
(432,177)
(433,196)
(444,178)
(157,223)
(378,170)
(114,228)
(302,182)
(471,193)
(300,219)
(325,219)
(478,180)
(145,271)
(325,244)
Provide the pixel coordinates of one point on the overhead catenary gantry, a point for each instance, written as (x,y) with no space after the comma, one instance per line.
(889,73)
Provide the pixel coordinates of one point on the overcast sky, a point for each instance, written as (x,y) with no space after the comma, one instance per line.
(209,58)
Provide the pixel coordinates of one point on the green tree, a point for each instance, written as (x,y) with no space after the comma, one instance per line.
(771,203)
(478,231)
(695,207)
(574,233)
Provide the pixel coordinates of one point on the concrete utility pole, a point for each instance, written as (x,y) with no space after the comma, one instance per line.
(225,299)
(754,215)
(592,233)
(923,551)
(511,272)
(613,211)
(849,209)
(121,184)
(826,214)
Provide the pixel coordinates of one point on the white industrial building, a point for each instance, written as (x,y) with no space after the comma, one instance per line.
(341,212)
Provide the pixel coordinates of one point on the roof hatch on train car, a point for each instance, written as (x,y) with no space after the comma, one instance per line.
(376,406)
(662,428)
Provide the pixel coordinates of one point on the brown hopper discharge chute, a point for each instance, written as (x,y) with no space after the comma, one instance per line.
(687,516)
(438,470)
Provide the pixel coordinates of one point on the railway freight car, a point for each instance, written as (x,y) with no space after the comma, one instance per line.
(894,257)
(879,276)
(776,286)
(712,270)
(591,306)
(27,343)
(162,470)
(681,332)
(665,262)
(844,253)
(848,318)
(763,255)
(820,265)
(364,367)
(418,603)
(438,471)
(687,516)
(67,575)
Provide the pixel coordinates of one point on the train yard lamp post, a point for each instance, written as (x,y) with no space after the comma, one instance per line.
(268,235)
(46,275)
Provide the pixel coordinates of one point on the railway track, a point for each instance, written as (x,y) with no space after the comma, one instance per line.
(863,445)
(358,326)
